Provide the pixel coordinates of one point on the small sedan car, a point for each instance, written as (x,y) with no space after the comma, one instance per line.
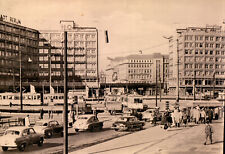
(20,137)
(48,128)
(127,123)
(87,122)
(148,115)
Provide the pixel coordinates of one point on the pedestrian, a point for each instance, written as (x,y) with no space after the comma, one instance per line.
(216,111)
(27,121)
(49,113)
(41,113)
(185,118)
(177,117)
(208,132)
(203,115)
(210,112)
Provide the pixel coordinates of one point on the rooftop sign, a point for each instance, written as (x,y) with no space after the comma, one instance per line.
(10,19)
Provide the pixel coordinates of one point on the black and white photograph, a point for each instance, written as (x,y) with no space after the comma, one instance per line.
(112,76)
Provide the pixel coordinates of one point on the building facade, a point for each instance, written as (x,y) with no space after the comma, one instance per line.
(18,53)
(139,69)
(200,53)
(82,56)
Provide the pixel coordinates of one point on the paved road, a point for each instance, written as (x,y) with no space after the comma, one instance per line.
(76,140)
(156,140)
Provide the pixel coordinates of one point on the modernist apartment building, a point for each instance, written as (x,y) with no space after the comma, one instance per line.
(201,55)
(140,70)
(82,56)
(17,44)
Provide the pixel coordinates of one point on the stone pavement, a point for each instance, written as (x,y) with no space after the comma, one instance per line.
(155,140)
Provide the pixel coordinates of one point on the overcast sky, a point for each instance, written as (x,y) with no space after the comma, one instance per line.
(133,25)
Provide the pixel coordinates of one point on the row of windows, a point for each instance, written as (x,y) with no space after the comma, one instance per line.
(206,52)
(139,65)
(139,71)
(206,38)
(8,53)
(140,76)
(202,45)
(59,36)
(204,82)
(16,39)
(204,59)
(19,31)
(140,61)
(207,66)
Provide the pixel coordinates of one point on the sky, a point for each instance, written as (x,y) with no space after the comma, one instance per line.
(132,25)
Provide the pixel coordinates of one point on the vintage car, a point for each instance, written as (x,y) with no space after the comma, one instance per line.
(127,123)
(48,127)
(148,115)
(87,122)
(20,137)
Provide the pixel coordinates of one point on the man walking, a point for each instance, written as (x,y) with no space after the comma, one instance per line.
(27,121)
(208,132)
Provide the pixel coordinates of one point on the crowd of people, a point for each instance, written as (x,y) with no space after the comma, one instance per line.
(178,117)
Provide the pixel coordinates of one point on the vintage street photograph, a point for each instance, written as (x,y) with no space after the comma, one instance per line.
(112,76)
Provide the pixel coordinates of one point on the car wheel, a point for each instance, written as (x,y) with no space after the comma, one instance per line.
(4,148)
(76,130)
(116,129)
(61,134)
(91,128)
(40,143)
(49,134)
(22,147)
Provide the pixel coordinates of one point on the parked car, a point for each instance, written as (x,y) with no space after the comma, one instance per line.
(48,127)
(20,137)
(87,122)
(127,123)
(148,115)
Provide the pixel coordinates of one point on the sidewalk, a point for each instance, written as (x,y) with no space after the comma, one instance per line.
(156,140)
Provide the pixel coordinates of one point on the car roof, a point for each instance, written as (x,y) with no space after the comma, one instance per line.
(46,120)
(18,128)
(86,115)
(127,116)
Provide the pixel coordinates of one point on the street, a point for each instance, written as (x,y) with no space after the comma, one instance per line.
(76,140)
(156,140)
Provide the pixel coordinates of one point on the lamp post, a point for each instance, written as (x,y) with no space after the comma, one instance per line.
(21,93)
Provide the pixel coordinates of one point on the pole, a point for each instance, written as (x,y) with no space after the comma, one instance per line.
(178,71)
(194,97)
(65,109)
(160,88)
(156,72)
(50,69)
(21,92)
(213,84)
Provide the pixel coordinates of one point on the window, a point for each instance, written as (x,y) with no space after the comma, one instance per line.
(206,52)
(211,52)
(217,52)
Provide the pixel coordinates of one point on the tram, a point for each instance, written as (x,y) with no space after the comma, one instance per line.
(14,99)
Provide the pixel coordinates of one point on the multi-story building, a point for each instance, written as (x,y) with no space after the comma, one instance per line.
(18,53)
(139,69)
(200,52)
(82,56)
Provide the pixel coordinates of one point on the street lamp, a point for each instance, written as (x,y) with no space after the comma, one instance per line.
(21,92)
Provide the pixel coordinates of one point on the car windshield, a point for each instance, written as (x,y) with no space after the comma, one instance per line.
(39,123)
(123,119)
(83,118)
(12,132)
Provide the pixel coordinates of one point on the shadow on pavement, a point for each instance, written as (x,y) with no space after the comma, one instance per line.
(120,147)
(217,142)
